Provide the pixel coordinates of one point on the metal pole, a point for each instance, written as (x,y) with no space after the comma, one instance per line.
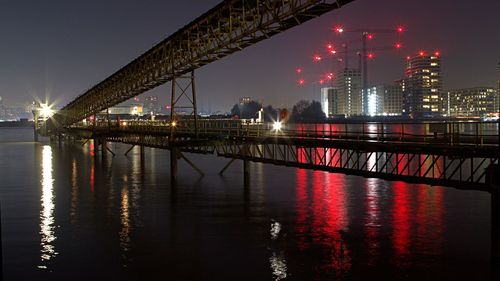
(365,74)
(195,111)
(172,106)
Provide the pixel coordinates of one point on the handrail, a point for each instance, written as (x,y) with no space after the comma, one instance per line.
(477,133)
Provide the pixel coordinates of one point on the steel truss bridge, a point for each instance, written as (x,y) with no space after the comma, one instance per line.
(444,156)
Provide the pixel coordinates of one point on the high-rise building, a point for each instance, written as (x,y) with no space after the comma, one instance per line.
(384,100)
(471,102)
(423,85)
(329,101)
(152,105)
(349,94)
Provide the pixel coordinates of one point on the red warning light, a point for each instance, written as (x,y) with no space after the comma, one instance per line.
(301,82)
(317,58)
(370,36)
(329,46)
(400,29)
(298,70)
(339,29)
(321,82)
(437,53)
(398,45)
(408,58)
(371,55)
(421,53)
(333,52)
(329,76)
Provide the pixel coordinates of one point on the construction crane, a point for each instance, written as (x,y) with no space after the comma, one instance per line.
(367,34)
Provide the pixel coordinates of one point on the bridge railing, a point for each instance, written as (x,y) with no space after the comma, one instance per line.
(477,133)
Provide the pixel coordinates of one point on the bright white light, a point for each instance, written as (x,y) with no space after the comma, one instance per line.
(45,110)
(174,124)
(277,126)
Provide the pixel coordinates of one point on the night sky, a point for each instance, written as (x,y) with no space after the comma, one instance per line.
(59,48)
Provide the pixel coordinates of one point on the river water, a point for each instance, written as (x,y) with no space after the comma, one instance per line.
(67,215)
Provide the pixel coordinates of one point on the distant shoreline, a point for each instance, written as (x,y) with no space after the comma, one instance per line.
(17,124)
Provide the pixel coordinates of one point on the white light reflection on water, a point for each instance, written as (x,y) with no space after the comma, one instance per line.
(277,261)
(278,266)
(125,221)
(47,222)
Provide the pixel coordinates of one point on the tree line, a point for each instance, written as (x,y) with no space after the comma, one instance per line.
(302,112)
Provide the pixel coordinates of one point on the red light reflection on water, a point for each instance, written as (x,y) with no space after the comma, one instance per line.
(401,219)
(323,216)
(301,207)
(429,220)
(372,220)
(92,178)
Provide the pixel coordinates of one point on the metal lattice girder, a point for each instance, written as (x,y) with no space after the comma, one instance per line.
(229,27)
(429,164)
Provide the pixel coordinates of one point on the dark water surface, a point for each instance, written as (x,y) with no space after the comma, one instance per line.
(69,216)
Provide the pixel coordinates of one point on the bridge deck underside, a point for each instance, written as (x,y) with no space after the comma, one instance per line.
(229,27)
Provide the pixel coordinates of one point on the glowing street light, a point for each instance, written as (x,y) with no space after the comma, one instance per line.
(46,111)
(277,126)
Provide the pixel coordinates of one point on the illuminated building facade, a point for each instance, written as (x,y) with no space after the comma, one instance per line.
(329,101)
(385,100)
(472,102)
(423,86)
(349,85)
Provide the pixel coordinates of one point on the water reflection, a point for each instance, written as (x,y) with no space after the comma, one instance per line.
(125,223)
(47,222)
(401,220)
(278,266)
(277,260)
(323,216)
(372,221)
(74,190)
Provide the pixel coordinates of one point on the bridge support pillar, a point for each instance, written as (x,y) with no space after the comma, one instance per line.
(173,165)
(142,152)
(246,172)
(35,134)
(104,147)
(96,147)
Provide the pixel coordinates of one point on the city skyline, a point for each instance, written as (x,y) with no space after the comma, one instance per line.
(43,47)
